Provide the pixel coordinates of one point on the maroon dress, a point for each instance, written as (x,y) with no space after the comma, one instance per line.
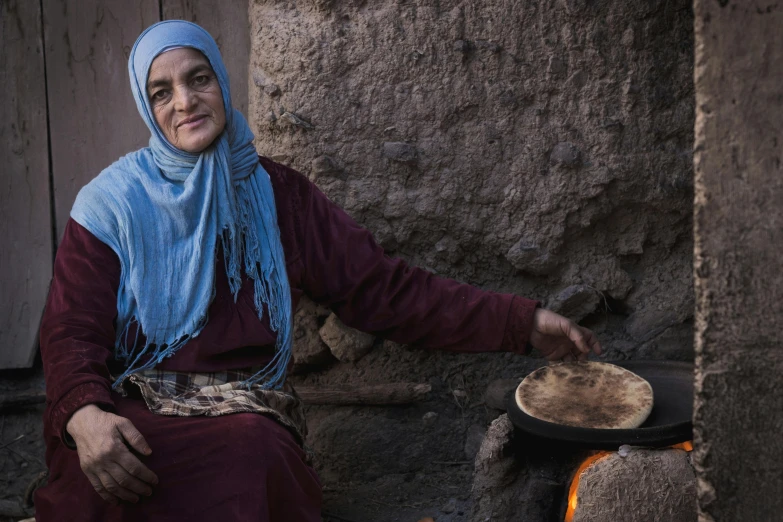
(241,467)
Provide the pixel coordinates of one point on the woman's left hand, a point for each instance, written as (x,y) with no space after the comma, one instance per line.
(559,338)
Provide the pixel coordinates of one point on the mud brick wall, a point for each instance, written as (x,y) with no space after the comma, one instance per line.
(542,148)
(738,235)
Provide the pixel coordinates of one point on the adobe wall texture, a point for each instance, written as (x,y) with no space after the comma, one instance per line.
(542,148)
(738,236)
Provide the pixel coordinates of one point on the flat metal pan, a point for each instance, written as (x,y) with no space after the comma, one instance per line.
(669,422)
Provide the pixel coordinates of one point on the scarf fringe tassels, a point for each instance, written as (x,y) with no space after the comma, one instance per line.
(241,248)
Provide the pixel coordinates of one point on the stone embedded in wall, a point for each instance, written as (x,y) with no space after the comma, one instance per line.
(308,349)
(574,7)
(649,322)
(324,165)
(462,46)
(605,275)
(401,152)
(673,344)
(566,154)
(294,120)
(575,302)
(530,257)
(259,78)
(272,90)
(345,343)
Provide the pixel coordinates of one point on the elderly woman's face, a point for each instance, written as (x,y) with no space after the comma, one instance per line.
(186,99)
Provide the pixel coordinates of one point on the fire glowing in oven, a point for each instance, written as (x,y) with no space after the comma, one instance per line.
(572,497)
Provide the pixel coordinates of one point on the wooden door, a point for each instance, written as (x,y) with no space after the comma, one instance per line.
(25,220)
(92,115)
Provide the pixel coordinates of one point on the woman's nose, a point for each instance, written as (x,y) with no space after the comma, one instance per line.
(184,99)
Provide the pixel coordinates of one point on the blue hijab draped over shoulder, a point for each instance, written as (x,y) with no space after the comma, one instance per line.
(163,211)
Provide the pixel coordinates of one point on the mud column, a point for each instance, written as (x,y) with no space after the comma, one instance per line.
(739,259)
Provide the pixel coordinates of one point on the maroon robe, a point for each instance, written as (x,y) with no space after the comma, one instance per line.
(241,467)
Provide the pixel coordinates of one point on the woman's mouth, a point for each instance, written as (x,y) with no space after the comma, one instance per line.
(192,121)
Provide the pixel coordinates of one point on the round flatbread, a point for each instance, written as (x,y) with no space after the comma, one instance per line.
(586,395)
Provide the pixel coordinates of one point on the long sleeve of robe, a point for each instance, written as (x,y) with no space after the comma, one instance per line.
(329,258)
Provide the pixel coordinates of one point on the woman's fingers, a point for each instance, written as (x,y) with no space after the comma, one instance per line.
(139,471)
(592,341)
(584,339)
(559,338)
(106,443)
(98,487)
(127,481)
(577,335)
(113,487)
(133,436)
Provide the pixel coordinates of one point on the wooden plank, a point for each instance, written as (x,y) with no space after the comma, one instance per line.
(25,219)
(228,23)
(92,115)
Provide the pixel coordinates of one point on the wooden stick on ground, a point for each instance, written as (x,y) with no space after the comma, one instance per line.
(378,394)
(23,399)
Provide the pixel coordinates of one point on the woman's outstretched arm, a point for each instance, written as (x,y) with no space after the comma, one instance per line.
(348,271)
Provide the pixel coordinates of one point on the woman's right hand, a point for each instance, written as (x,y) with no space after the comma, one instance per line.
(104,442)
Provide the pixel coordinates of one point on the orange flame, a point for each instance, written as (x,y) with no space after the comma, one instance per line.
(572,497)
(687,446)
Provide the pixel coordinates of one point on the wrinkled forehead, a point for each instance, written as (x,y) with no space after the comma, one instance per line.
(177,59)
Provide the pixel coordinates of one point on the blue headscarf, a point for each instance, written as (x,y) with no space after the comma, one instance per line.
(163,211)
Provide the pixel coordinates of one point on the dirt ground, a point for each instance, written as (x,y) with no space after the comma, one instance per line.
(408,462)
(21,440)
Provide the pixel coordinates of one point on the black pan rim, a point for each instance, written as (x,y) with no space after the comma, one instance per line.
(652,436)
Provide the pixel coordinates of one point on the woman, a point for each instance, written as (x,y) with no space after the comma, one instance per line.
(167,332)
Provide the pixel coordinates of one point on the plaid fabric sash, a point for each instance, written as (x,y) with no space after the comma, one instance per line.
(220,393)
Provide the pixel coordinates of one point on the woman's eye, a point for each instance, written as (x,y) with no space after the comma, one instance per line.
(201,80)
(158,96)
